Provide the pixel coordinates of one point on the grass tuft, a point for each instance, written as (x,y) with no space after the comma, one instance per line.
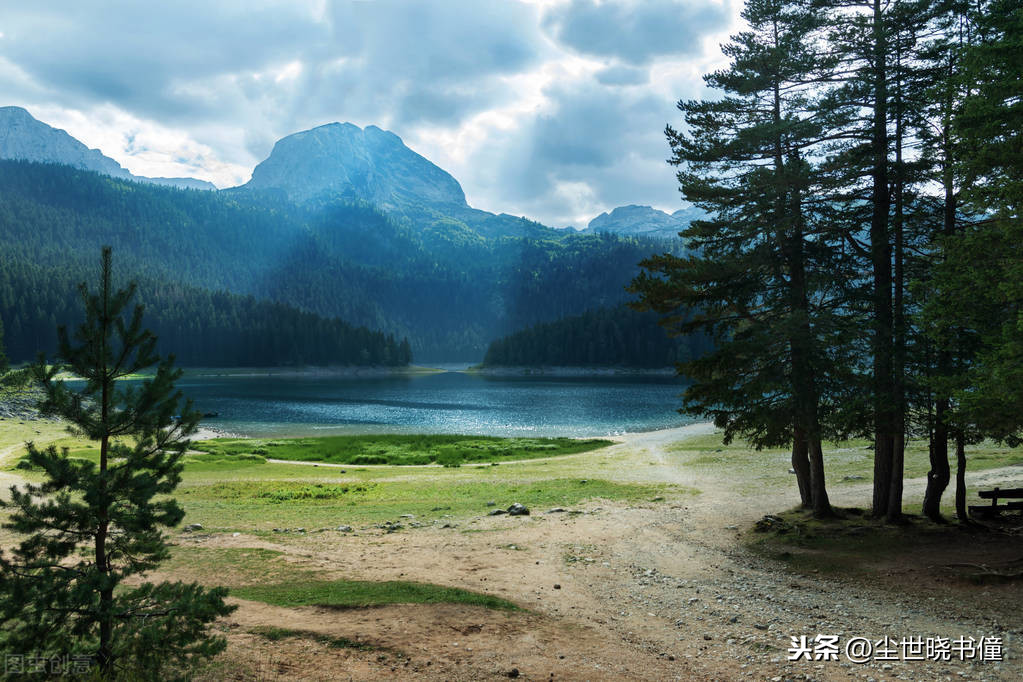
(354,594)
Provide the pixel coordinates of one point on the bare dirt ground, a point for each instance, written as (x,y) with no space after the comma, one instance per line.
(638,592)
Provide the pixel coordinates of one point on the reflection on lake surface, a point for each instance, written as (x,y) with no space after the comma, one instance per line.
(448,402)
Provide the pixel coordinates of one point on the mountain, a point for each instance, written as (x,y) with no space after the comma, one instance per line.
(341,160)
(644,221)
(338,222)
(25,138)
(449,289)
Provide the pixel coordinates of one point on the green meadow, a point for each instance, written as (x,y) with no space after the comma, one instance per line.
(446,450)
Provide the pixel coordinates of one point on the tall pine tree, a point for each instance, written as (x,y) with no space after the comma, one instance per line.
(760,273)
(89,526)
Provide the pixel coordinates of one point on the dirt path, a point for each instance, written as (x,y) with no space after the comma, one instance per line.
(643,592)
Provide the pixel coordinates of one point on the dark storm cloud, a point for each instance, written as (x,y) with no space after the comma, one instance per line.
(636,31)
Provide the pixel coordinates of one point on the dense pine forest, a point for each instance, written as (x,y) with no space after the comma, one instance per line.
(447,287)
(612,337)
(200,327)
(859,271)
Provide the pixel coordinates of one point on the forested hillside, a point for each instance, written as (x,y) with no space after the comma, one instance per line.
(605,337)
(448,287)
(200,327)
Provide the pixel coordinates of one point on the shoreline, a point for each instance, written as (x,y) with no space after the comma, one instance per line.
(684,430)
(311,371)
(567,371)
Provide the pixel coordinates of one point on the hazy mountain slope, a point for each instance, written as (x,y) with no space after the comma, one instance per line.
(451,292)
(25,138)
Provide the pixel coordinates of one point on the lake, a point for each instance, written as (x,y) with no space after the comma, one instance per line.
(445,402)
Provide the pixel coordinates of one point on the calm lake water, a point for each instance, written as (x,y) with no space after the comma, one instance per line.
(449,402)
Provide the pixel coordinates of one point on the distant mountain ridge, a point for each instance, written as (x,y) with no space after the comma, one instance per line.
(23,137)
(341,161)
(644,221)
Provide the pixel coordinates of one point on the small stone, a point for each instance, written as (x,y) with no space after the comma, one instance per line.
(497,512)
(513,673)
(345,529)
(708,637)
(760,626)
(557,586)
(192,527)
(491,504)
(518,509)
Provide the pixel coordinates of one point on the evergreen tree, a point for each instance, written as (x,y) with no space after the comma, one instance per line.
(976,300)
(761,274)
(3,355)
(990,124)
(90,526)
(872,111)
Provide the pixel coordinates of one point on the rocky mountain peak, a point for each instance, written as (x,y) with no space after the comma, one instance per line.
(344,160)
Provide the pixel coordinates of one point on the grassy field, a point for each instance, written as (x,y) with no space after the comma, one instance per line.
(268,576)
(847,463)
(259,506)
(228,488)
(400,449)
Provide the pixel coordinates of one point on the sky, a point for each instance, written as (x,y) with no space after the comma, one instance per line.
(551,109)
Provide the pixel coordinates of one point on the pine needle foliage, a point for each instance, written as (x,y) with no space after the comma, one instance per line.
(88,528)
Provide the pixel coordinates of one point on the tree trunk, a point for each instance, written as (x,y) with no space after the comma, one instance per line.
(105,654)
(939,475)
(895,490)
(894,512)
(801,465)
(961,513)
(821,503)
(881,258)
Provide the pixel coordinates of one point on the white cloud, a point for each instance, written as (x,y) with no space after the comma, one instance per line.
(552,109)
